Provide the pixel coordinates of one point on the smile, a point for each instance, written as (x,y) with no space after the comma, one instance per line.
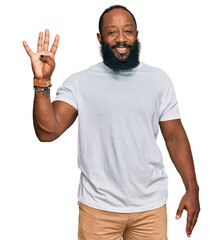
(121,49)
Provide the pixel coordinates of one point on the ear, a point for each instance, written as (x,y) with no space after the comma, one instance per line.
(137,32)
(99,37)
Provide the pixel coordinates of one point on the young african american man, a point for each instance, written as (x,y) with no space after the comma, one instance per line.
(121,103)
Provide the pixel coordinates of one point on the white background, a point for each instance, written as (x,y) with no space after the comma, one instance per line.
(39,181)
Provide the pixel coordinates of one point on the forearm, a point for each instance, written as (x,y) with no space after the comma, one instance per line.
(180,152)
(181,155)
(44,118)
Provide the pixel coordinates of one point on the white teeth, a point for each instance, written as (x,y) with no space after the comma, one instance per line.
(121,49)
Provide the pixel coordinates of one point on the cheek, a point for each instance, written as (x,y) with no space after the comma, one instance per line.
(132,39)
(110,41)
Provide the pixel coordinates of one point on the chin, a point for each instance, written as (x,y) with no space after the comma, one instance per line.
(122,56)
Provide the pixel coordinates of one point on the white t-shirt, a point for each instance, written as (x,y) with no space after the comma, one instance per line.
(121,164)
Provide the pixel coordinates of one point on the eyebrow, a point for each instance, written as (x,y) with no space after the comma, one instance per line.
(126,25)
(130,25)
(110,26)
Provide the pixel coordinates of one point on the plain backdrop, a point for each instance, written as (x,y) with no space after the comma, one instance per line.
(39,181)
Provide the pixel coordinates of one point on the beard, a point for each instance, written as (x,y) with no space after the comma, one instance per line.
(111,61)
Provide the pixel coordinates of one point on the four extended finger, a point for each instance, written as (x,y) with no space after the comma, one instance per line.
(40,42)
(55,44)
(28,50)
(43,46)
(46,40)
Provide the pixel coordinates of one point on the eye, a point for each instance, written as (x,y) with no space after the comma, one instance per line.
(128,31)
(111,32)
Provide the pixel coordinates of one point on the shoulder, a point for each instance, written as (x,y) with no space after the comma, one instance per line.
(76,75)
(155,73)
(151,69)
(99,67)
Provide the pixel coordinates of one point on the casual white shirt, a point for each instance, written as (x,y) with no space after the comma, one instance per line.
(119,113)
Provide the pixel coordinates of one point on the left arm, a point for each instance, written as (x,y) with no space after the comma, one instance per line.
(180,153)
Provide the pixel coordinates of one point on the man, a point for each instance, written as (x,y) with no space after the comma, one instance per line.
(121,103)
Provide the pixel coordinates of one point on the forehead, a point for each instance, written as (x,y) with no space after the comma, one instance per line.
(117,17)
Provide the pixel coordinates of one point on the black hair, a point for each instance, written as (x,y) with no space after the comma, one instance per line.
(108,10)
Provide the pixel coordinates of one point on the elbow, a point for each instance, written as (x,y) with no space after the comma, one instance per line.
(46,137)
(50,130)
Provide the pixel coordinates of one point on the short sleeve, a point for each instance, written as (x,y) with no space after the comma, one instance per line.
(68,92)
(168,104)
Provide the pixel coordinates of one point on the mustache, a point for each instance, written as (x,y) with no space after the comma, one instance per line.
(121,45)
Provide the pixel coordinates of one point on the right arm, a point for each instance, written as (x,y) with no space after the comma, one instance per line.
(50,119)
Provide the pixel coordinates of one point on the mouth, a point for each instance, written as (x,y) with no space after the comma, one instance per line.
(121,50)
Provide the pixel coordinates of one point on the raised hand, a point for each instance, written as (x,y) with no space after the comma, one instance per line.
(43,63)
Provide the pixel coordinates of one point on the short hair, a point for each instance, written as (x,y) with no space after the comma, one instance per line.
(108,10)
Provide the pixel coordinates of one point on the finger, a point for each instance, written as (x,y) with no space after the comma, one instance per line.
(28,50)
(180,210)
(192,226)
(189,223)
(40,42)
(194,221)
(55,44)
(46,40)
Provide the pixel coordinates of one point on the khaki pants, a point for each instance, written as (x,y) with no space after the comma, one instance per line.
(95,224)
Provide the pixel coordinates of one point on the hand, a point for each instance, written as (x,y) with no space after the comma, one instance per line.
(43,61)
(189,202)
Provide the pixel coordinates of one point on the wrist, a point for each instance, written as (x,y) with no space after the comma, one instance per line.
(192,187)
(42,83)
(40,91)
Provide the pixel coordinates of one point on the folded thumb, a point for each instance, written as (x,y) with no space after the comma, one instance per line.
(48,60)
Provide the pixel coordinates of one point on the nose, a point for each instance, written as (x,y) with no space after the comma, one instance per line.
(120,37)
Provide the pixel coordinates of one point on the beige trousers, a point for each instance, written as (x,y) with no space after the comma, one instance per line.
(95,224)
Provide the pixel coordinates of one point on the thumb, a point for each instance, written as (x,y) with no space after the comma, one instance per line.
(180,210)
(48,60)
